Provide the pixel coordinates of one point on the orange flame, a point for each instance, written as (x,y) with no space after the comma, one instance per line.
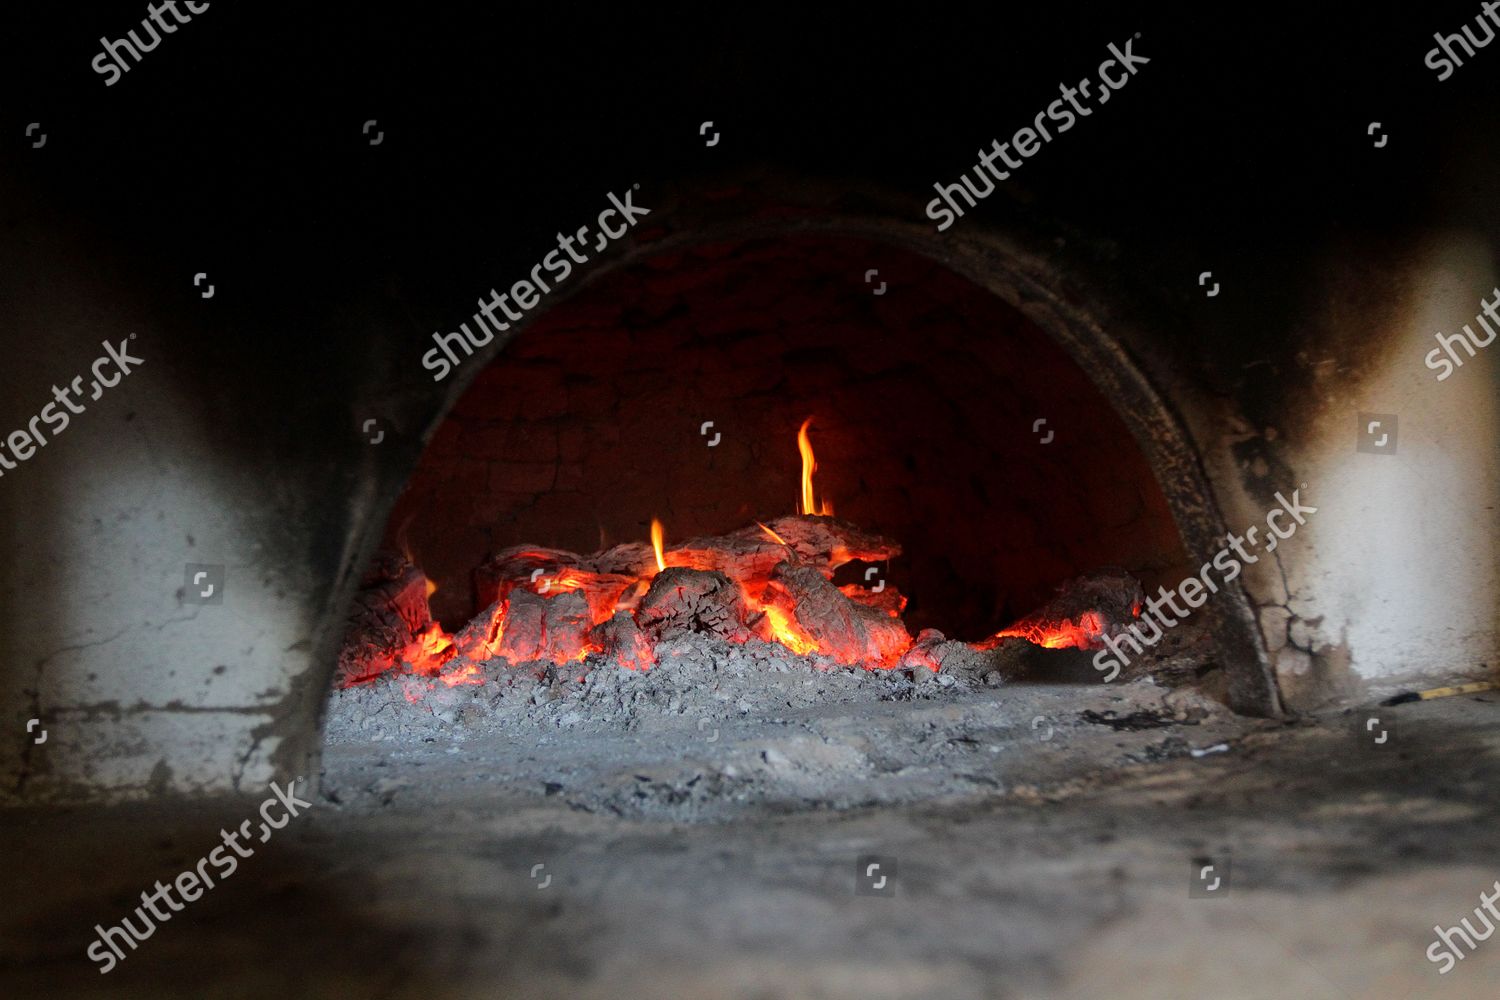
(809,466)
(428,651)
(787,632)
(774,537)
(656,540)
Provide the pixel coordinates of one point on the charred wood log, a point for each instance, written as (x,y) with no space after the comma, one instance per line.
(682,600)
(390,613)
(1086,609)
(850,633)
(622,641)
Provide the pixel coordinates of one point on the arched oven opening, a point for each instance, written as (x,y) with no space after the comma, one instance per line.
(809,454)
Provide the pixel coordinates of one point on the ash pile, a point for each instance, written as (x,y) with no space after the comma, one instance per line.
(745,623)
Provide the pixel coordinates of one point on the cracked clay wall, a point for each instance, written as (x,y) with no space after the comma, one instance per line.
(137,688)
(1396,579)
(1314,369)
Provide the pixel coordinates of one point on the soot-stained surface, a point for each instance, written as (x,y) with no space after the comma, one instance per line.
(1037,859)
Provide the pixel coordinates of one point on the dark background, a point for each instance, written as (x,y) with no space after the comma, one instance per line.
(237,144)
(236,148)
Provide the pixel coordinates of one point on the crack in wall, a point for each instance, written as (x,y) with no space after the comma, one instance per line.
(39,670)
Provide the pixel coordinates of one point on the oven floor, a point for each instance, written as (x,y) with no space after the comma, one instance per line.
(1041,842)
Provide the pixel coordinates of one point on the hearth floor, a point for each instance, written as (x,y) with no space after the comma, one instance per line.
(1040,841)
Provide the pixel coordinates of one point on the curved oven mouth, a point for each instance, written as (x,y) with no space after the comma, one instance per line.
(745,454)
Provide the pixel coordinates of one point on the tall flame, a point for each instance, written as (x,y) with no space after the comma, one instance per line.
(656,540)
(809,465)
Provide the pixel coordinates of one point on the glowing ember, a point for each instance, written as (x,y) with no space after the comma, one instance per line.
(1065,634)
(467,672)
(809,466)
(772,582)
(1080,615)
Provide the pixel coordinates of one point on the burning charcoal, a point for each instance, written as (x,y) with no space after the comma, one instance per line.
(515,567)
(623,642)
(925,651)
(611,592)
(390,614)
(1085,609)
(427,653)
(819,612)
(805,608)
(828,542)
(682,600)
(523,635)
(477,639)
(603,593)
(953,658)
(747,556)
(607,580)
(559,605)
(888,636)
(565,627)
(888,600)
(530,627)
(633,559)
